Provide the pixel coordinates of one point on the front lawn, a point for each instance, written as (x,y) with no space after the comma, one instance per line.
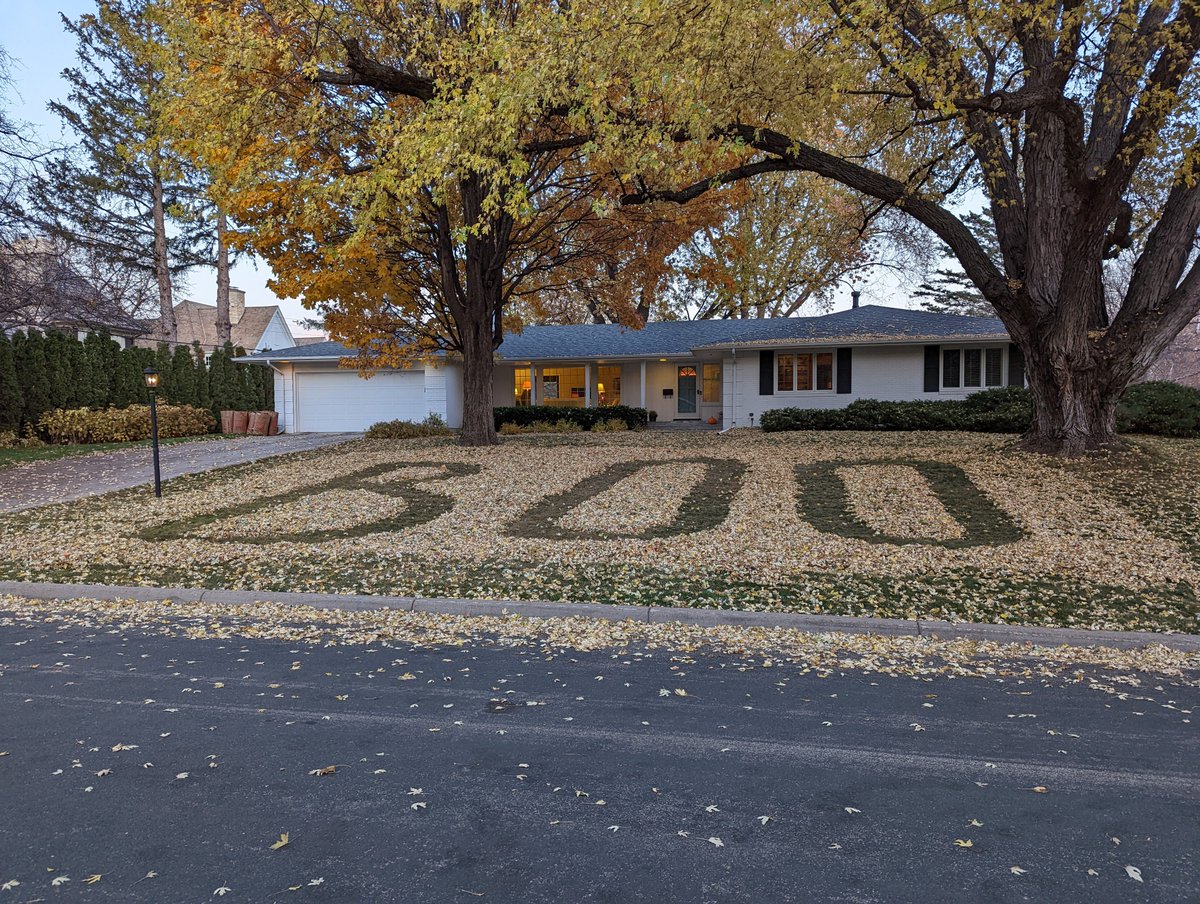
(905,525)
(10,458)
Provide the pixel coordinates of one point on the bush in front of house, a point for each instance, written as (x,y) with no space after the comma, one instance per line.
(560,426)
(1007,410)
(586,418)
(1160,407)
(433,425)
(81,426)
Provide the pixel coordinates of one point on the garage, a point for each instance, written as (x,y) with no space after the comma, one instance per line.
(341,401)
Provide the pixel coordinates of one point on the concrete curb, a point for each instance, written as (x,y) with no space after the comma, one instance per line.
(817,624)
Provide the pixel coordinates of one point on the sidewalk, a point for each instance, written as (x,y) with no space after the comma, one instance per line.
(817,624)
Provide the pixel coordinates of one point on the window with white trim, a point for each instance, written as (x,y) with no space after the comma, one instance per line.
(804,371)
(972,368)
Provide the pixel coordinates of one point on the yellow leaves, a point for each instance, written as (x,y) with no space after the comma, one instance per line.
(1040,790)
(284,841)
(324,770)
(92,880)
(964,842)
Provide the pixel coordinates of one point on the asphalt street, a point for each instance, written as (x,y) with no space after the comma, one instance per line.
(165,769)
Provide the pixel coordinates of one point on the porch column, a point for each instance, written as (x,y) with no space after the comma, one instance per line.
(643,384)
(587,386)
(534,390)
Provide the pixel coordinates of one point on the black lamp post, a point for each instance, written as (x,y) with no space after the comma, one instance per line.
(151,377)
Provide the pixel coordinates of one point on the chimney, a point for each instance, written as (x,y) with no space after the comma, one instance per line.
(854,293)
(237,305)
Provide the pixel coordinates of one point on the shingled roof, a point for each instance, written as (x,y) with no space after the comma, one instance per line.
(196,322)
(678,338)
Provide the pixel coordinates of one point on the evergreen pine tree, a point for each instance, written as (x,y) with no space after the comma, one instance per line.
(102,356)
(128,385)
(950,291)
(80,378)
(123,190)
(30,357)
(183,377)
(11,403)
(164,363)
(58,368)
(203,396)
(218,391)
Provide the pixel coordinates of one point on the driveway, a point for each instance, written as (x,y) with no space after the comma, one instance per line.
(67,479)
(161,769)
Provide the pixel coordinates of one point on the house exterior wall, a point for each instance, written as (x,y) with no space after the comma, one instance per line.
(892,373)
(442,392)
(454,393)
(285,397)
(503,394)
(276,335)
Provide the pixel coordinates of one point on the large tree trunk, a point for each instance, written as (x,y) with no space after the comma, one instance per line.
(224,328)
(479,425)
(1074,408)
(162,269)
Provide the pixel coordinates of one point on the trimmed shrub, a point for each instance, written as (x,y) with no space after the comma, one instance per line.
(612,425)
(584,418)
(433,425)
(991,411)
(560,426)
(1160,407)
(118,425)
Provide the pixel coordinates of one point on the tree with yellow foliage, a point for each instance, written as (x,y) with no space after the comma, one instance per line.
(1076,119)
(409,170)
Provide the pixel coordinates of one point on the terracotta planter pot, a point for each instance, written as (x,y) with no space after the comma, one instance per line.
(260,423)
(227,421)
(241,420)
(274,428)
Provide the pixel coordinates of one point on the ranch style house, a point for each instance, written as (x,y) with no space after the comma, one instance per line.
(721,372)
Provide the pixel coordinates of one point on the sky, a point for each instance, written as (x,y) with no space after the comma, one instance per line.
(32,33)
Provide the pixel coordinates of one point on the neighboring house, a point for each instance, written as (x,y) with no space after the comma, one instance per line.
(254,328)
(728,370)
(39,290)
(1180,361)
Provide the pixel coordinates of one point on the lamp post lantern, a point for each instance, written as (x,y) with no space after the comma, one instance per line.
(151,377)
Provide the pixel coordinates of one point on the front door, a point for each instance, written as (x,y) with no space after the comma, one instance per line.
(685,394)
(710,392)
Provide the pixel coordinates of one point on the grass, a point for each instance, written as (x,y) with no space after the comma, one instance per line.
(760,522)
(824,503)
(421,507)
(10,458)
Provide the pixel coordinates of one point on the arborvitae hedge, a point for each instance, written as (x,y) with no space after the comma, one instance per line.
(41,373)
(11,402)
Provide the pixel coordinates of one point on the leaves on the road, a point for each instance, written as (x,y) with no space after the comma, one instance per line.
(964,842)
(284,841)
(716,842)
(324,770)
(1016,871)
(1134,873)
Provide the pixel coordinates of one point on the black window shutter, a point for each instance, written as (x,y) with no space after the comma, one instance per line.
(766,372)
(1016,366)
(844,356)
(933,374)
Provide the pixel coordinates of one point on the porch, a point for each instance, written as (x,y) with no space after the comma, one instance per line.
(676,390)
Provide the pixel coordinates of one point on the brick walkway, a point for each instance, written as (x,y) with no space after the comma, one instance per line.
(63,480)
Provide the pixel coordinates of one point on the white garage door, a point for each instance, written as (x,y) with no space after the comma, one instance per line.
(343,401)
